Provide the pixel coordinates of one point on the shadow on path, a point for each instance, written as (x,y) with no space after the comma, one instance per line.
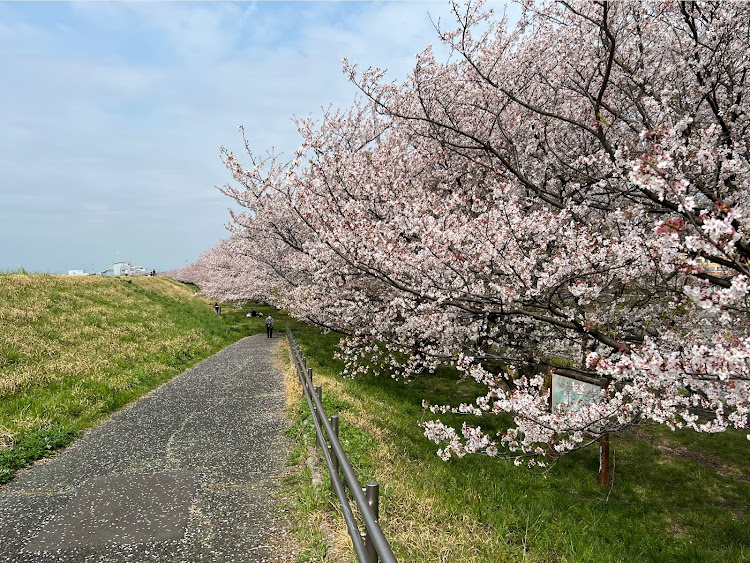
(186,473)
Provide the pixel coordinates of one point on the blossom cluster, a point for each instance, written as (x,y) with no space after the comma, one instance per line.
(567,195)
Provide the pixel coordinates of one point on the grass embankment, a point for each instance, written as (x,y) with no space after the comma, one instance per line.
(75,349)
(676,496)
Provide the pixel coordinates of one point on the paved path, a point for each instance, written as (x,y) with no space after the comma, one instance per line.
(184,474)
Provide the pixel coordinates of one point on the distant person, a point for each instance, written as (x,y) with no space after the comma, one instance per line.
(269,326)
(253,313)
(217,308)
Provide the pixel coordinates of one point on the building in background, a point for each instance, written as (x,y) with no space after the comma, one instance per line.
(116,269)
(124,269)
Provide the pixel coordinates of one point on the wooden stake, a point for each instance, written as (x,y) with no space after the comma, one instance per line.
(604,460)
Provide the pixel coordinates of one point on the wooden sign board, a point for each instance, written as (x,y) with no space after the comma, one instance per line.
(570,394)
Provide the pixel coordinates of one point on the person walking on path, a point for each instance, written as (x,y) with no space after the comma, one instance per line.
(269,326)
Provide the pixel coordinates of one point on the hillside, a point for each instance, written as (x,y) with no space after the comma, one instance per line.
(75,349)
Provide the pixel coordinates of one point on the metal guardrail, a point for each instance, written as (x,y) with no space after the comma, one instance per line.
(370,546)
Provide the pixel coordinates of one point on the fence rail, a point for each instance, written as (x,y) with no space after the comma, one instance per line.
(370,546)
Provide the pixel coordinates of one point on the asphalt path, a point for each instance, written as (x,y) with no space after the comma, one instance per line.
(185,474)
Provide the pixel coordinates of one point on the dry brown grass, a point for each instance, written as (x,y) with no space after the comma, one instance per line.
(54,327)
(75,332)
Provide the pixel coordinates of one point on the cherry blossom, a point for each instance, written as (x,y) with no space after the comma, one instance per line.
(566,195)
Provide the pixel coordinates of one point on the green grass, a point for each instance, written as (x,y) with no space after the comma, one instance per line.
(305,502)
(73,350)
(676,496)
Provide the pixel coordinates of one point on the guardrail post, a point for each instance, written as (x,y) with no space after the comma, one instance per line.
(309,374)
(335,424)
(299,373)
(334,420)
(319,392)
(371,490)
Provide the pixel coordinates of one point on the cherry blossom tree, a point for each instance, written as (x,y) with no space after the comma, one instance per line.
(566,195)
(222,272)
(190,273)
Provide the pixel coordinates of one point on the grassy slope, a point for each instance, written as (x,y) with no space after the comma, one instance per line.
(75,349)
(676,496)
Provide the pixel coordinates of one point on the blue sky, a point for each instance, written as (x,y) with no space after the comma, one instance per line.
(111,114)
